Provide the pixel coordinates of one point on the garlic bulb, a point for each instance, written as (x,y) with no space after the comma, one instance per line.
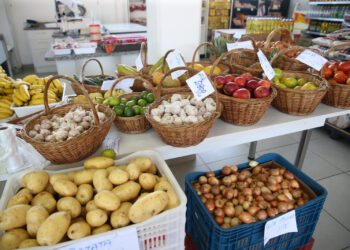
(87,118)
(156,112)
(77,118)
(184,102)
(45,132)
(85,124)
(200,118)
(157,118)
(50,138)
(65,126)
(73,133)
(191,119)
(175,108)
(37,127)
(194,101)
(176,97)
(211,106)
(80,128)
(167,120)
(32,133)
(177,120)
(39,137)
(101,116)
(202,110)
(46,124)
(190,110)
(207,115)
(60,135)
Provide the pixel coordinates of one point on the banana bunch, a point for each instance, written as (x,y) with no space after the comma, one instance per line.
(6,90)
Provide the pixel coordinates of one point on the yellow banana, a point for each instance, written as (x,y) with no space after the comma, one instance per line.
(41,101)
(58,85)
(17,84)
(26,104)
(37,86)
(4,105)
(8,91)
(17,101)
(7,97)
(6,101)
(8,85)
(54,90)
(30,78)
(35,91)
(23,90)
(41,96)
(3,75)
(4,115)
(19,96)
(41,81)
(4,80)
(6,110)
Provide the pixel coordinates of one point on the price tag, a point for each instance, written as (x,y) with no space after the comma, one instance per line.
(312,59)
(174,60)
(240,45)
(281,225)
(200,85)
(124,240)
(126,83)
(216,34)
(138,63)
(111,143)
(265,64)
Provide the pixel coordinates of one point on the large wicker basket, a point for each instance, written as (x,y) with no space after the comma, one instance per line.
(90,88)
(182,135)
(80,146)
(338,95)
(136,124)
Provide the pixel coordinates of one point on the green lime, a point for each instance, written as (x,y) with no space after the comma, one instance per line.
(142,102)
(137,109)
(110,153)
(150,97)
(114,101)
(119,110)
(144,94)
(134,98)
(131,103)
(128,111)
(106,102)
(143,109)
(123,100)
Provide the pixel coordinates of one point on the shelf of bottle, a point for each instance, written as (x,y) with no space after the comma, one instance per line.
(330,3)
(313,33)
(330,19)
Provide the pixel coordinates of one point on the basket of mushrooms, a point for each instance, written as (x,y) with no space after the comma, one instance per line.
(71,132)
(180,119)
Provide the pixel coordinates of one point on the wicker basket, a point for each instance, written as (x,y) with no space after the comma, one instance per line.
(80,146)
(90,88)
(286,33)
(300,102)
(338,95)
(136,124)
(182,135)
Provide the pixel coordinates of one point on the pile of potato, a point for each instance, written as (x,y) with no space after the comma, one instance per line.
(102,197)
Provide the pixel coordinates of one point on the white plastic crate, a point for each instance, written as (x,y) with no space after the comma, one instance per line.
(60,52)
(84,48)
(163,231)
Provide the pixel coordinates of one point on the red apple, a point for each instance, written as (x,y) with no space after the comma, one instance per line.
(241,93)
(247,76)
(252,85)
(229,78)
(261,92)
(265,83)
(220,82)
(240,81)
(230,87)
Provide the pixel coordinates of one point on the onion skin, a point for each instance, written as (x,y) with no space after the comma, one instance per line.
(235,193)
(210,205)
(213,181)
(257,170)
(246,218)
(219,212)
(253,210)
(219,220)
(285,184)
(241,199)
(249,180)
(215,190)
(294,184)
(288,175)
(203,179)
(249,198)
(247,191)
(225,225)
(263,204)
(210,174)
(235,202)
(256,191)
(226,170)
(227,181)
(229,193)
(246,205)
(274,203)
(265,190)
(297,194)
(274,171)
(261,215)
(282,207)
(272,212)
(234,168)
(219,203)
(268,197)
(242,177)
(234,222)
(272,180)
(205,188)
(229,211)
(238,210)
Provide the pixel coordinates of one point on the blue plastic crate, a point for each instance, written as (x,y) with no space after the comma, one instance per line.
(206,234)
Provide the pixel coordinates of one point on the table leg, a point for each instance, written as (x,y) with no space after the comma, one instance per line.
(252,150)
(303,144)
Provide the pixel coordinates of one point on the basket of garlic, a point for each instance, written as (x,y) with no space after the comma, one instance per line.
(134,124)
(71,132)
(180,119)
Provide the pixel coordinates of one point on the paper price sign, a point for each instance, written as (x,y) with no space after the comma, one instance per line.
(281,225)
(265,64)
(138,63)
(174,60)
(200,85)
(126,83)
(312,59)
(240,45)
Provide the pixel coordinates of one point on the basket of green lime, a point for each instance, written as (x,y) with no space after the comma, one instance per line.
(130,108)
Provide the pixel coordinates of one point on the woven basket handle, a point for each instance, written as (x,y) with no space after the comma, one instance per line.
(165,57)
(283,51)
(275,32)
(249,38)
(84,66)
(136,77)
(197,49)
(344,45)
(73,82)
(143,53)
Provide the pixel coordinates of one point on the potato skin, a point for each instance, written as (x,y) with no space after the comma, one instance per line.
(35,181)
(69,205)
(127,191)
(35,217)
(65,187)
(147,181)
(96,217)
(52,230)
(118,176)
(46,200)
(85,193)
(152,170)
(91,205)
(143,162)
(101,229)
(134,171)
(78,230)
(173,199)
(101,181)
(14,217)
(148,206)
(84,176)
(71,175)
(120,218)
(107,200)
(13,238)
(55,177)
(28,243)
(98,162)
(24,196)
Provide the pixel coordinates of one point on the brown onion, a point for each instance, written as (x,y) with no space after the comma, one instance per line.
(297,194)
(253,210)
(242,176)
(249,198)
(288,175)
(213,181)
(283,197)
(246,218)
(209,196)
(263,204)
(235,193)
(260,184)
(219,220)
(241,199)
(282,171)
(256,191)
(203,179)
(205,188)
(210,205)
(263,177)
(249,180)
(219,203)
(279,178)
(272,212)
(226,225)
(289,195)
(300,202)
(227,220)
(294,184)
(226,170)
(274,187)
(261,215)
(238,210)
(268,197)
(290,205)
(229,193)
(229,211)
(227,181)
(259,198)
(210,174)
(234,168)
(257,170)
(274,171)
(246,205)
(241,185)
(233,178)
(235,222)
(282,207)
(196,186)
(272,180)
(265,190)
(285,184)
(235,202)
(247,191)
(219,196)
(203,199)
(274,203)
(219,212)
(215,189)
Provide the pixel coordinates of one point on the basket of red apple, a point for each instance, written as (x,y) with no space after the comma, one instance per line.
(338,76)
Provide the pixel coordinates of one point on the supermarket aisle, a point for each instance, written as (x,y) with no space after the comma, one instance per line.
(327,161)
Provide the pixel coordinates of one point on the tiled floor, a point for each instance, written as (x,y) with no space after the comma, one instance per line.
(327,161)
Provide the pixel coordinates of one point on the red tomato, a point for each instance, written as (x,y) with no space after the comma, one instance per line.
(340,77)
(328,73)
(334,66)
(344,66)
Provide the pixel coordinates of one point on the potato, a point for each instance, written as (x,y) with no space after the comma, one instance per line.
(143,195)
(84,194)
(147,181)
(122,167)
(28,243)
(13,238)
(101,181)
(46,200)
(14,217)
(90,206)
(152,170)
(148,206)
(133,171)
(69,205)
(35,181)
(52,230)
(110,169)
(107,200)
(127,191)
(71,175)
(79,230)
(24,196)
(118,176)
(98,162)
(65,187)
(166,187)
(101,229)
(143,162)
(75,220)
(162,179)
(55,177)
(120,218)
(35,217)
(49,188)
(96,217)
(84,177)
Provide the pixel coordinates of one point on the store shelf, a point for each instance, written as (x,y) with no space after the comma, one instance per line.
(243,9)
(313,33)
(330,19)
(330,3)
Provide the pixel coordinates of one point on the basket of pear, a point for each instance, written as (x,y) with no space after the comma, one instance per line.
(99,98)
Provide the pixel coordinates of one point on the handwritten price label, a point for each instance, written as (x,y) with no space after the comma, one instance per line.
(266,66)
(174,60)
(240,45)
(200,85)
(312,59)
(126,83)
(281,225)
(138,63)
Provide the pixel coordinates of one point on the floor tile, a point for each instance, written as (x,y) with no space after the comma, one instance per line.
(275,142)
(224,153)
(181,168)
(338,200)
(329,234)
(230,161)
(314,166)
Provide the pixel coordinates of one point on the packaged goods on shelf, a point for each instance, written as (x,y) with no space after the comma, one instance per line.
(265,25)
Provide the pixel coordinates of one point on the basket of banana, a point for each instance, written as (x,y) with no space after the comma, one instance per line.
(6,113)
